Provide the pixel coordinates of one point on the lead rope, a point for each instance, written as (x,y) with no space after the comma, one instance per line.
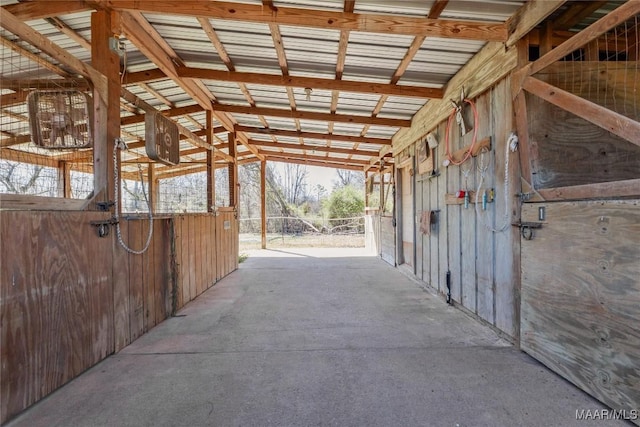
(511,146)
(121,145)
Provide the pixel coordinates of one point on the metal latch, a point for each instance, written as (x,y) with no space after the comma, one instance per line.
(526,228)
(103,226)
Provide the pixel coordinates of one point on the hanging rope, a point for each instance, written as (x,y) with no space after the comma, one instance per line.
(121,145)
(469,152)
(510,147)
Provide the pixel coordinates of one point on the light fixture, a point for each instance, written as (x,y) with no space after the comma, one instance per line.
(307,91)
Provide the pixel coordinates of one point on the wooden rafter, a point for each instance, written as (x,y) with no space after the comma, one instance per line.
(278,45)
(528,17)
(171,112)
(309,115)
(288,155)
(310,82)
(314,135)
(373,23)
(322,162)
(224,56)
(42,9)
(143,76)
(320,148)
(16,26)
(576,12)
(34,57)
(616,123)
(70,32)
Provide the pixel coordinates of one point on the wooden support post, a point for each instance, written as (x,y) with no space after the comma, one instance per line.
(154,188)
(64,180)
(211,170)
(233,171)
(366,193)
(107,111)
(263,202)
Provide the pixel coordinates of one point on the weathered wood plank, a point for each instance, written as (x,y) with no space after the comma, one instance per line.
(484,237)
(149,265)
(136,280)
(442,225)
(121,318)
(55,322)
(507,242)
(468,240)
(571,151)
(453,184)
(434,237)
(580,296)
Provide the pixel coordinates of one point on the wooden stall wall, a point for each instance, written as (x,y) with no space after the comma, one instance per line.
(56,303)
(483,264)
(69,298)
(581,296)
(197,256)
(142,286)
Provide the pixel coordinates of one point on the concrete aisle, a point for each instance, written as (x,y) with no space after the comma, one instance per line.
(314,338)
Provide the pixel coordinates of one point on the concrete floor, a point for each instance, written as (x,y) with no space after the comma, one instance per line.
(313,338)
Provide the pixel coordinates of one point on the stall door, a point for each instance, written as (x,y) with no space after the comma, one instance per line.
(580,307)
(407,223)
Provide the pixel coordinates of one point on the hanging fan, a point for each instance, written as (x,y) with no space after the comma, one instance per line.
(60,119)
(162,139)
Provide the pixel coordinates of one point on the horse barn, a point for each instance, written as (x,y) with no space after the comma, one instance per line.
(500,145)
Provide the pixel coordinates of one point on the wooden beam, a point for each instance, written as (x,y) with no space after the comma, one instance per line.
(373,23)
(617,124)
(310,82)
(616,189)
(592,32)
(28,84)
(26,202)
(33,57)
(171,112)
(287,155)
(263,203)
(141,33)
(16,98)
(576,12)
(322,163)
(309,115)
(323,149)
(15,140)
(528,17)
(314,135)
(144,76)
(69,32)
(211,172)
(11,23)
(8,153)
(106,123)
(31,10)
(484,70)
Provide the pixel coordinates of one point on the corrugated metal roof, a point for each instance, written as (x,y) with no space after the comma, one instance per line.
(309,52)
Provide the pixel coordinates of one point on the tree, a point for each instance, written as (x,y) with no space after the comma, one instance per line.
(345,202)
(347,177)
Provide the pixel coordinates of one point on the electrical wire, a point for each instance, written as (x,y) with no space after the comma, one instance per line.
(121,145)
(473,140)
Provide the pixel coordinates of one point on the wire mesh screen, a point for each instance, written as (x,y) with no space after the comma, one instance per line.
(81,184)
(135,196)
(223,196)
(605,71)
(182,194)
(24,167)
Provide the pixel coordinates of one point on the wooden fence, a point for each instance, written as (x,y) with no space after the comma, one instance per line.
(68,298)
